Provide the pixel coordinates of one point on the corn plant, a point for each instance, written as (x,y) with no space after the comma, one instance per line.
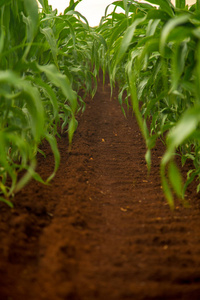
(153,53)
(48,63)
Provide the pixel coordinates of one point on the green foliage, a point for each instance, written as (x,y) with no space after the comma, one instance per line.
(47,61)
(153,53)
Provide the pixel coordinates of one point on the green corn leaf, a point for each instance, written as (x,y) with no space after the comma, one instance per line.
(26,177)
(8,202)
(148,159)
(184,128)
(182,131)
(2,39)
(125,3)
(127,38)
(35,109)
(61,81)
(180,34)
(197,71)
(156,14)
(41,2)
(53,143)
(175,179)
(190,178)
(48,32)
(18,141)
(117,32)
(165,5)
(3,157)
(76,13)
(198,5)
(166,189)
(52,96)
(32,99)
(31,7)
(167,29)
(45,5)
(72,30)
(180,4)
(3,2)
(152,26)
(178,63)
(151,45)
(72,5)
(31,21)
(71,128)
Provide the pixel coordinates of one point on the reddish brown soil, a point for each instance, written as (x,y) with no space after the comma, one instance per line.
(102,229)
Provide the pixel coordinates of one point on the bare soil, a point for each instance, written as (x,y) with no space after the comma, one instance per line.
(102,230)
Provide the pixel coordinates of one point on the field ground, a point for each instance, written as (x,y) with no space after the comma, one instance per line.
(102,229)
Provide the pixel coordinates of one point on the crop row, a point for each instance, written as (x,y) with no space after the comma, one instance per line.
(154,55)
(48,63)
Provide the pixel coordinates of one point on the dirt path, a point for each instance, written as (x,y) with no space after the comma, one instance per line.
(102,230)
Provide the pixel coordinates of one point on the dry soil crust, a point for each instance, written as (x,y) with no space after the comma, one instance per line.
(102,230)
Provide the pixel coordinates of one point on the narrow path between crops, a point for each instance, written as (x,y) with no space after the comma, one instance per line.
(102,229)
